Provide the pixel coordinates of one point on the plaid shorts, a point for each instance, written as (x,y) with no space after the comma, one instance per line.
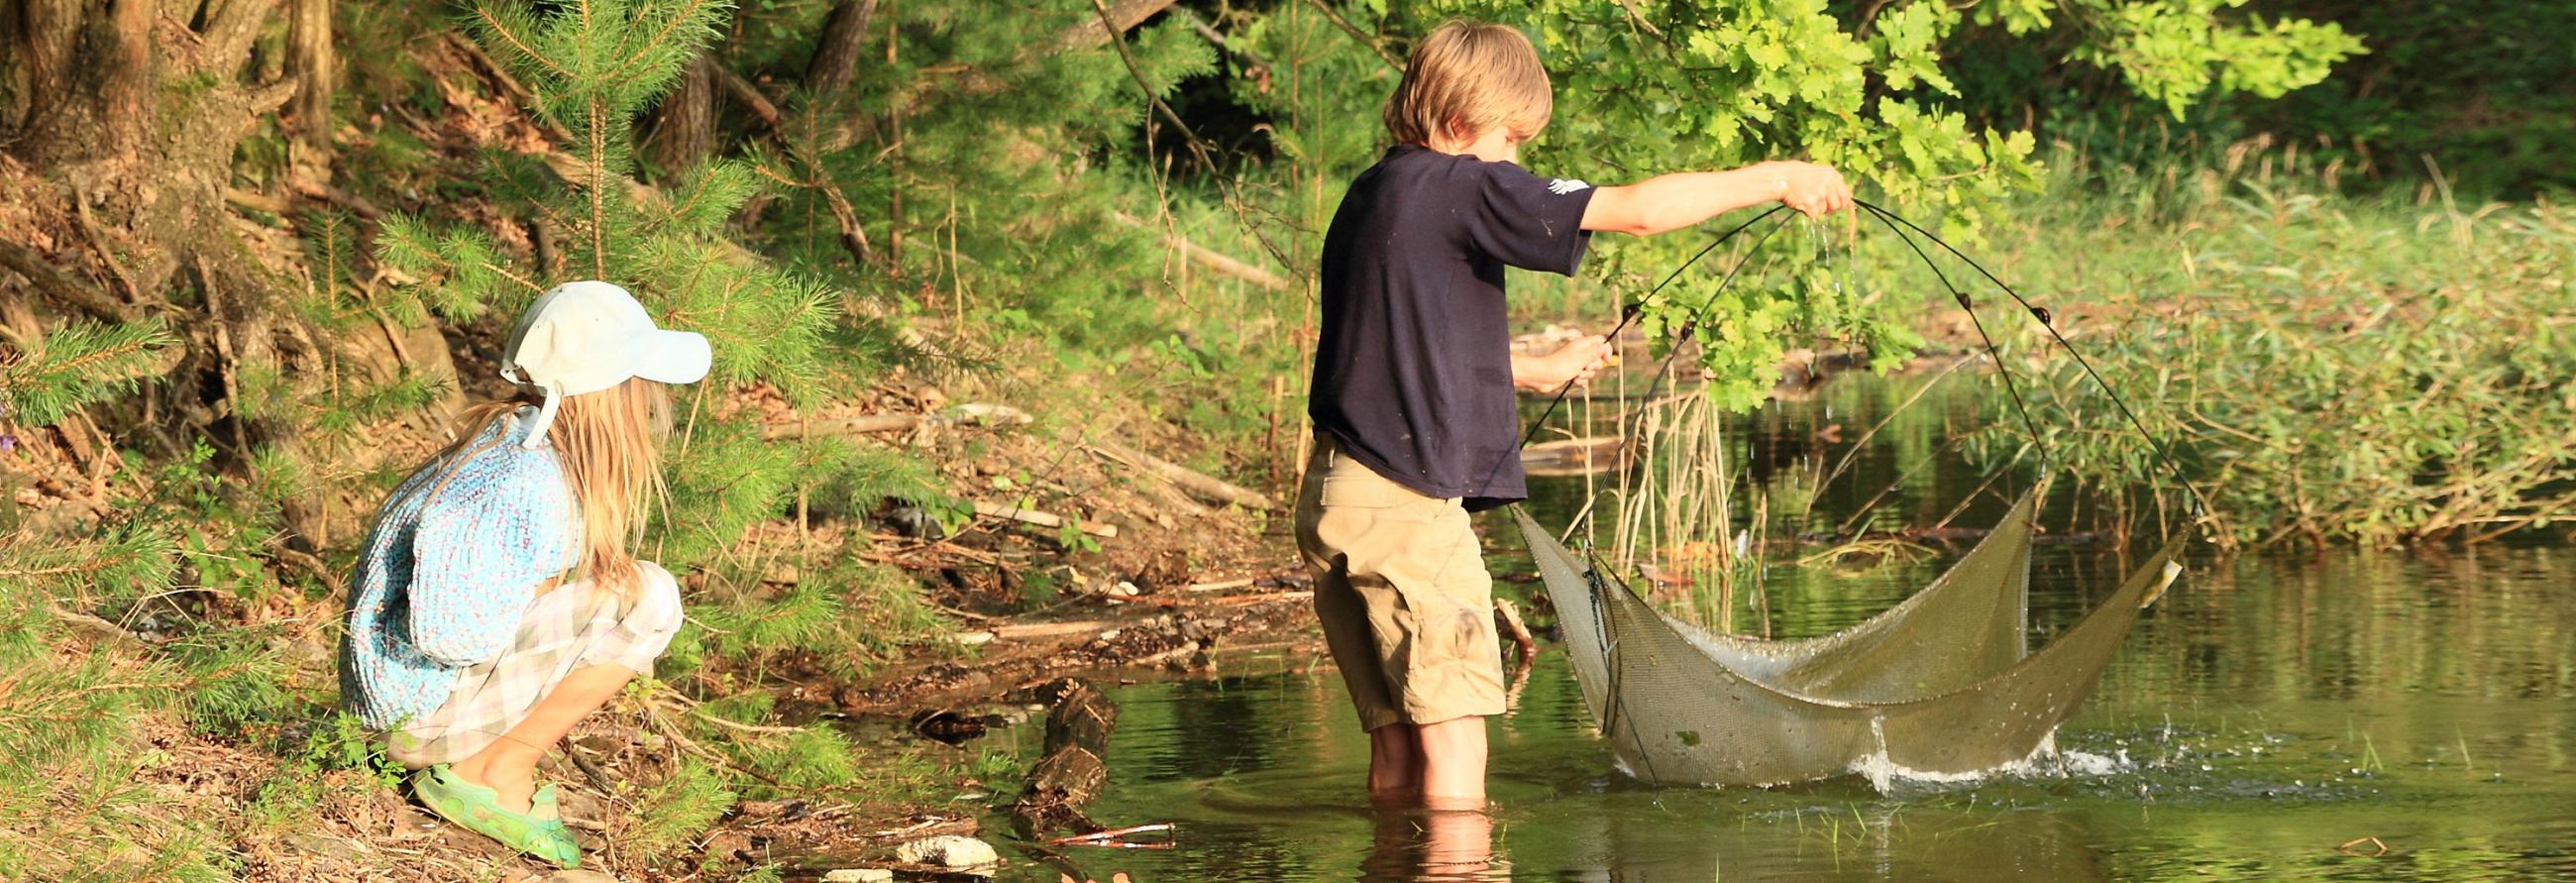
(575,626)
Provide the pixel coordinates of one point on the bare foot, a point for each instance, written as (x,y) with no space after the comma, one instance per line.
(517,786)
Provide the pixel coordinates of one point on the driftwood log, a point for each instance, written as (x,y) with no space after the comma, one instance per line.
(1071,772)
(1207,487)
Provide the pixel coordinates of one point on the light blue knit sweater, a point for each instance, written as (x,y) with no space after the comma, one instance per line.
(453,559)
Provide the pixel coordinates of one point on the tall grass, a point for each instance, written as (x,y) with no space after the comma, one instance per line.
(1672,511)
(2377,369)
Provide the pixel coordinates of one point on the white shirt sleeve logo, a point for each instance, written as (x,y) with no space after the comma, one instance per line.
(1563,186)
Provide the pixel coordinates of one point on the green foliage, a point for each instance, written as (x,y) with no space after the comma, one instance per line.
(2359,370)
(2479,85)
(70,714)
(2177,51)
(239,688)
(216,524)
(849,615)
(811,758)
(674,810)
(76,364)
(849,478)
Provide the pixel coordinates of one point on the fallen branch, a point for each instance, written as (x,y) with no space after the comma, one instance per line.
(1215,489)
(240,198)
(1222,264)
(1021,631)
(1111,834)
(1046,519)
(970,414)
(1221,601)
(356,204)
(860,425)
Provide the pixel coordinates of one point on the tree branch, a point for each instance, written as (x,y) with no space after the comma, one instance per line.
(1114,20)
(1357,34)
(836,52)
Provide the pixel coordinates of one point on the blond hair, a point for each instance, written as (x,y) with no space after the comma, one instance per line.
(610,445)
(1465,78)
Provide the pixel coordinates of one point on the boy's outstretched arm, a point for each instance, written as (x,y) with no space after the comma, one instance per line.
(1682,199)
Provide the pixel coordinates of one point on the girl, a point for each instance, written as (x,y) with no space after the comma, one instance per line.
(497,601)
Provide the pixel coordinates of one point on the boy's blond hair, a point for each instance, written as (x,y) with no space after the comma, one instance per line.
(1467,77)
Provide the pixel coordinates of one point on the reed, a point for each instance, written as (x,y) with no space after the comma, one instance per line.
(1675,516)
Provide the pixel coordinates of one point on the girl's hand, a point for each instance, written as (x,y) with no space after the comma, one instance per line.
(1811,189)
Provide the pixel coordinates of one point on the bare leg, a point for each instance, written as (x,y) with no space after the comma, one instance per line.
(1453,764)
(1395,763)
(509,764)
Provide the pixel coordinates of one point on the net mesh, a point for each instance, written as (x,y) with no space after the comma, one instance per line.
(1937,685)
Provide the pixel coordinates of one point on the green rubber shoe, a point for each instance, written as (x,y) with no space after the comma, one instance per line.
(539,832)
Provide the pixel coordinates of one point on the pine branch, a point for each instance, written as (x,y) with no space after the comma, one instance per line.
(677,21)
(493,23)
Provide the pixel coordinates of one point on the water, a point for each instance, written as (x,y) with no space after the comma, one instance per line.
(2262,721)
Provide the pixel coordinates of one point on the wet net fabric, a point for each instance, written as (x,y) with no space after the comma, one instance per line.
(1937,685)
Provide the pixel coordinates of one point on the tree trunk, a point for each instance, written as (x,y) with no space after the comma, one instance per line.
(836,53)
(128,115)
(90,72)
(684,126)
(317,74)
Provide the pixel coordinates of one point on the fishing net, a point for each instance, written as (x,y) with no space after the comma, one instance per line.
(1938,685)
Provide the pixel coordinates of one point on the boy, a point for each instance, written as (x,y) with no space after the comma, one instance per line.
(1413,396)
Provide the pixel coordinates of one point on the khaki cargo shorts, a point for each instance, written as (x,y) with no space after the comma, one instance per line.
(1401,588)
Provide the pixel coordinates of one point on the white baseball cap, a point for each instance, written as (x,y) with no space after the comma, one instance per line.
(584,337)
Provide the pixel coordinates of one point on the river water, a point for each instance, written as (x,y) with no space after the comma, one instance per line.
(2265,721)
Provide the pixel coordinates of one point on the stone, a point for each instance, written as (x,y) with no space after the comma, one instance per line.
(859,875)
(948,851)
(572,877)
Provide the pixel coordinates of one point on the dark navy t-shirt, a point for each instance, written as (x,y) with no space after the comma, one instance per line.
(1413,374)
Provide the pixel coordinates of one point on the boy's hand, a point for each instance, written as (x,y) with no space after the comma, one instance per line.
(1811,189)
(1574,362)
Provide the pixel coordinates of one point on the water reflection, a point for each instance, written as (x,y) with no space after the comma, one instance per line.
(1433,846)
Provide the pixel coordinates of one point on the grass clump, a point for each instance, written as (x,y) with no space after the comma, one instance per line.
(2379,370)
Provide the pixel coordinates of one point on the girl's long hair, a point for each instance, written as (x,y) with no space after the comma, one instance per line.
(610,445)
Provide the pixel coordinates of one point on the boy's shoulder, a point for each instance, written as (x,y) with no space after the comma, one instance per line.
(1410,166)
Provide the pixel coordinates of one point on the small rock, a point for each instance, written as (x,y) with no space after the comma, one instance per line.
(949,851)
(859,875)
(572,877)
(972,639)
(1129,589)
(409,823)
